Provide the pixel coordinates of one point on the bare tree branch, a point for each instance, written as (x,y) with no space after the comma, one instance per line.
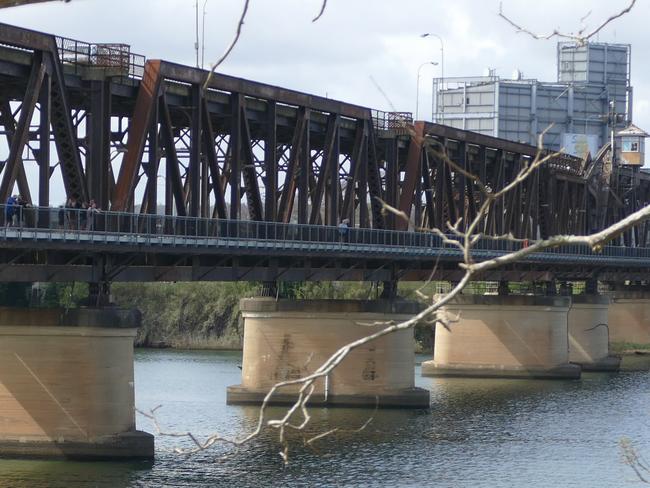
(321,12)
(18,3)
(306,383)
(464,235)
(231,46)
(580,37)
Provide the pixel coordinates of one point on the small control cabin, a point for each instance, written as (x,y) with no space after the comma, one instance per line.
(630,146)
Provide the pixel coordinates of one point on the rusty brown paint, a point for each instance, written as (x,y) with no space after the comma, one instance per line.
(412,174)
(145,105)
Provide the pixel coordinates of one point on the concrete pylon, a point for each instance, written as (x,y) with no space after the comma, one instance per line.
(589,334)
(503,336)
(629,317)
(66,384)
(288,339)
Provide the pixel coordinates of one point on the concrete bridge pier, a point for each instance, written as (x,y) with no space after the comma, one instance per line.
(589,334)
(504,336)
(288,339)
(629,317)
(66,384)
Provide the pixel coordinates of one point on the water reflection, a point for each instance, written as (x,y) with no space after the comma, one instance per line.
(36,473)
(486,432)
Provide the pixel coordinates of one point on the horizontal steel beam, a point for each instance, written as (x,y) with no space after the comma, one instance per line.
(187,74)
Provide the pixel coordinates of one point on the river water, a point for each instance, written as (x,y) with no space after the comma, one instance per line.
(478,433)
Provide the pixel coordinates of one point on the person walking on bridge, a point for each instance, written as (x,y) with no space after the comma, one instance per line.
(343,229)
(10,210)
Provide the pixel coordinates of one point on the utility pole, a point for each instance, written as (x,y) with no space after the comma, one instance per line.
(442,73)
(203,37)
(196,30)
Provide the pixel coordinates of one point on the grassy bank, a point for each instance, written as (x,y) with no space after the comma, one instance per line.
(629,348)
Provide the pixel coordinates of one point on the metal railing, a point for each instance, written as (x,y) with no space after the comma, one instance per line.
(391,120)
(46,223)
(118,57)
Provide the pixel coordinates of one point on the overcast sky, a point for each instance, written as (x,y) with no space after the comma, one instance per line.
(355,42)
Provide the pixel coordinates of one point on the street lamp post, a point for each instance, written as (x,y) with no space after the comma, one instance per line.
(203,37)
(198,44)
(442,70)
(196,31)
(417,90)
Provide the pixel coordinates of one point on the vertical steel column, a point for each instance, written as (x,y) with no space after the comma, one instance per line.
(213,165)
(461,184)
(154,161)
(235,154)
(173,178)
(304,159)
(271,163)
(332,198)
(375,189)
(43,155)
(427,187)
(439,183)
(392,177)
(100,136)
(362,186)
(195,152)
(205,187)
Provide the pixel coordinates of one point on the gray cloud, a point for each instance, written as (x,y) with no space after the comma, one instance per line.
(354,41)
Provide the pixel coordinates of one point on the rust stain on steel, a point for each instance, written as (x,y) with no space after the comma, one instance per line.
(411,175)
(138,131)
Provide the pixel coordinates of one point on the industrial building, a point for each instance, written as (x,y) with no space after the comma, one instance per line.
(592,90)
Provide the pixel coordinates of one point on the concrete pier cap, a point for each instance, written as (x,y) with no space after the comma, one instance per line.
(289,339)
(67,386)
(589,333)
(516,336)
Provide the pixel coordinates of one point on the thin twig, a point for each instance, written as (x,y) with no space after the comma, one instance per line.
(235,39)
(321,12)
(579,38)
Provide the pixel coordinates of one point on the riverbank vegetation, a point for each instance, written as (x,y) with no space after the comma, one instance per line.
(198,315)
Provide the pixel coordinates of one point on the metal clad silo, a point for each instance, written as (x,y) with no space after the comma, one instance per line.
(515,104)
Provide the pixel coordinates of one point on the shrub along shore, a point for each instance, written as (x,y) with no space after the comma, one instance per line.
(199,315)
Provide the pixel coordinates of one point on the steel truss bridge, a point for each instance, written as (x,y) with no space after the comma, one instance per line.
(257,177)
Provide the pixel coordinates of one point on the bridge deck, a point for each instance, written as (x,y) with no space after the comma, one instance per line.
(156,247)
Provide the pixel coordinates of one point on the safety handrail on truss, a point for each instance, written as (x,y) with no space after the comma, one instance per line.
(46,222)
(114,56)
(391,120)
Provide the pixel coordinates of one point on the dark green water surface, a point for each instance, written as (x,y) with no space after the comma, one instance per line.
(478,433)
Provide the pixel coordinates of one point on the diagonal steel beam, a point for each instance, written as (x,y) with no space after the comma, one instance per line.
(325,175)
(14,161)
(65,136)
(411,175)
(347,209)
(145,106)
(213,164)
(251,185)
(173,176)
(9,123)
(291,177)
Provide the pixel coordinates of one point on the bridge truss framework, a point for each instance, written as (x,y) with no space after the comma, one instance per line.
(108,125)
